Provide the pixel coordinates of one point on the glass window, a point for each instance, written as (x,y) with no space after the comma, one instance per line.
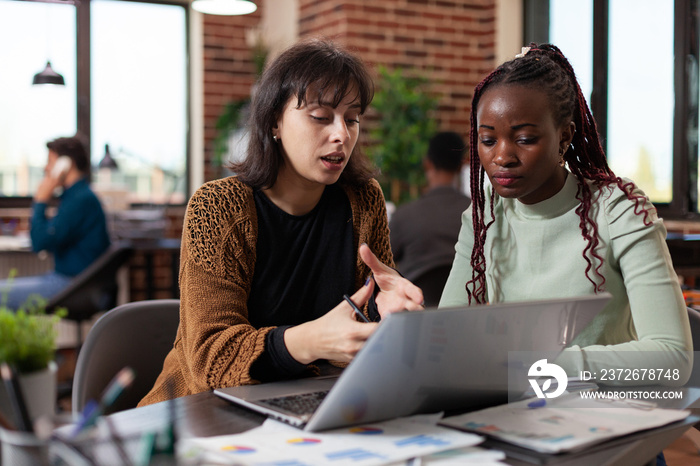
(31,34)
(139,96)
(571,29)
(638,113)
(640,95)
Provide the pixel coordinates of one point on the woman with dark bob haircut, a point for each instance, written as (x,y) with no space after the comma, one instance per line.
(333,73)
(268,254)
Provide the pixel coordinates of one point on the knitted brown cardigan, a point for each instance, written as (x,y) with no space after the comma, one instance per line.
(215,344)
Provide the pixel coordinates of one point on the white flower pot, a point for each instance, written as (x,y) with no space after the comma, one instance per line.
(39,391)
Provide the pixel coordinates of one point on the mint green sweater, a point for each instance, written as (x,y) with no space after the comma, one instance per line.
(535,252)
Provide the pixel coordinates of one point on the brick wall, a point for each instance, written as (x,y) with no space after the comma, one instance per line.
(229,72)
(451,42)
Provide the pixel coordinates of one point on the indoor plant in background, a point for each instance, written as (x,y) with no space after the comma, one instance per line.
(399,139)
(231,134)
(28,344)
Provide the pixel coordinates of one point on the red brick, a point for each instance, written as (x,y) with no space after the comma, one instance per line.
(404,39)
(432,41)
(388,24)
(416,53)
(374,9)
(446,30)
(418,27)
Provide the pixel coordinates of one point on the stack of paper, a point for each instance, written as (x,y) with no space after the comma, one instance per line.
(473,456)
(373,444)
(566,423)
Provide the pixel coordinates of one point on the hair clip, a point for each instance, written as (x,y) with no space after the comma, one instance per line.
(523,52)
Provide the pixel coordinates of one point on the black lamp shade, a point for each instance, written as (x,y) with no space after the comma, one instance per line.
(108,161)
(49,76)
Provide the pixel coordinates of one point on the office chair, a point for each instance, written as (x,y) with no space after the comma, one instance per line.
(694,319)
(94,289)
(138,335)
(432,283)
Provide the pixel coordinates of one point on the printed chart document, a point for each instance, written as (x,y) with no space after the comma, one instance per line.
(563,424)
(365,445)
(473,456)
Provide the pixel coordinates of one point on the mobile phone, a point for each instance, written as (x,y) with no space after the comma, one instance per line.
(61,166)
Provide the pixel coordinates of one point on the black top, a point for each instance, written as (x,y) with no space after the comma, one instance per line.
(304,265)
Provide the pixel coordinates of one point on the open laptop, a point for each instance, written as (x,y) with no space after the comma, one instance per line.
(426,361)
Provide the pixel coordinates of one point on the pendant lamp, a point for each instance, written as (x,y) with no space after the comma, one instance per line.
(49,76)
(224,7)
(108,161)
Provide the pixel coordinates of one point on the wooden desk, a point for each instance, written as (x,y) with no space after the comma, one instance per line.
(685,254)
(16,253)
(206,415)
(685,251)
(25,262)
(149,248)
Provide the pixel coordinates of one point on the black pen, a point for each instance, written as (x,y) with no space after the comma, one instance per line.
(355,308)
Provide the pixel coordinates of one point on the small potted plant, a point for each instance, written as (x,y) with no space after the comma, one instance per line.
(28,344)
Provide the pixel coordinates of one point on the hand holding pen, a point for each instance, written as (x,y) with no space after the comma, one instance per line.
(336,336)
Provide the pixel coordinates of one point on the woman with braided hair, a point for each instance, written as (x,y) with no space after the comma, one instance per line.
(557,222)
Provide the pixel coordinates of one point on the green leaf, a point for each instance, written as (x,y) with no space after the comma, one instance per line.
(27,334)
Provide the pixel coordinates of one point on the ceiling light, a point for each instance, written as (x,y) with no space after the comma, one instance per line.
(49,76)
(108,161)
(224,7)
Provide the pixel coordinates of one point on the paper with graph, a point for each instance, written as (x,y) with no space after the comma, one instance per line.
(373,444)
(566,423)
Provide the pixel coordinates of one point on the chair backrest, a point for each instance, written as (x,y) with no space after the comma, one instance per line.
(95,288)
(694,319)
(432,283)
(139,335)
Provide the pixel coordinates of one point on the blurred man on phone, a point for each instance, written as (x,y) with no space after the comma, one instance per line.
(76,235)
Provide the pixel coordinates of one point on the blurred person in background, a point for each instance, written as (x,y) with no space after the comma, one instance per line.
(424,232)
(76,235)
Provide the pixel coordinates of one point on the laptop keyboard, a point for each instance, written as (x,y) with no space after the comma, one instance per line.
(304,403)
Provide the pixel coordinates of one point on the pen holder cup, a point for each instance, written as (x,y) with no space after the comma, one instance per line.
(19,448)
(23,449)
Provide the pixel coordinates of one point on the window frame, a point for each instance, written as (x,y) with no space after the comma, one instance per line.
(684,175)
(83,85)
